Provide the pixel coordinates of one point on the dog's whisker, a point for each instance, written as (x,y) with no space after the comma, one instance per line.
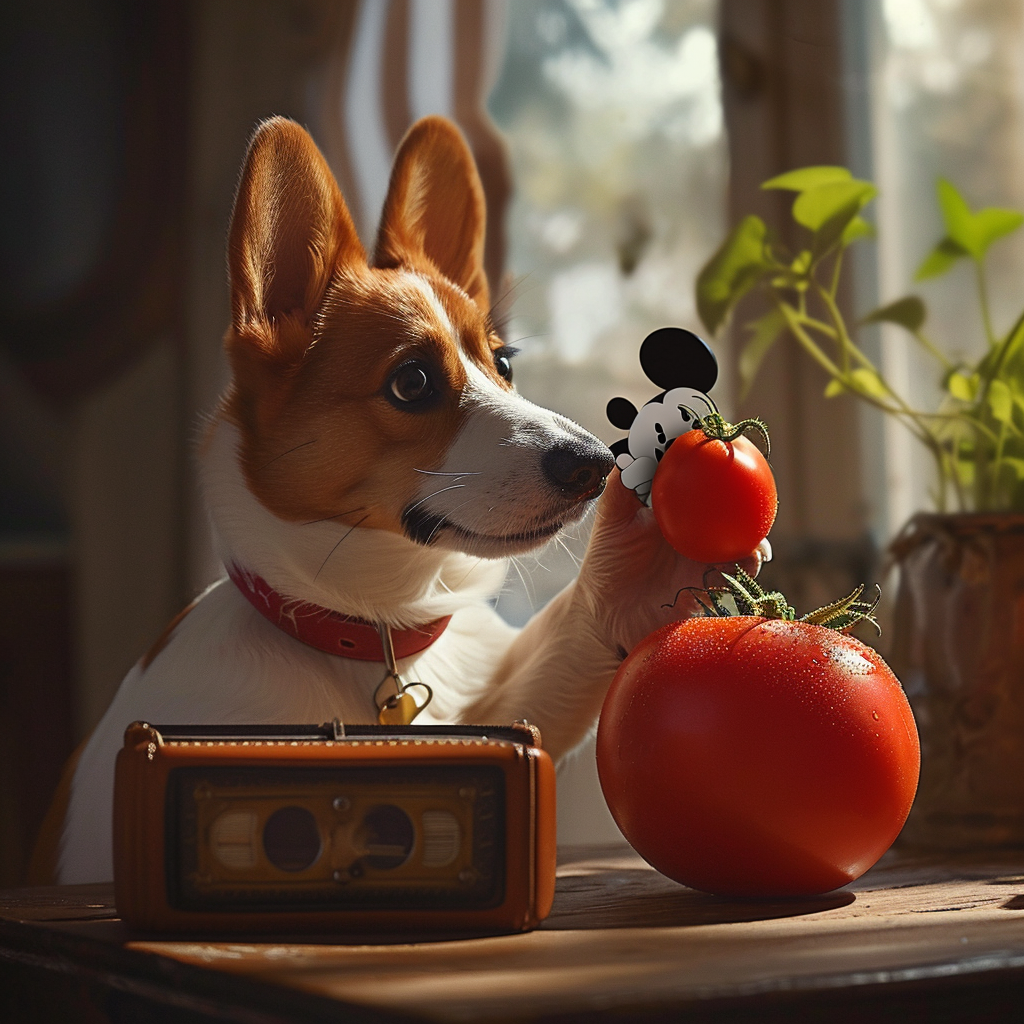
(565,547)
(327,519)
(469,572)
(438,472)
(345,536)
(499,311)
(441,490)
(530,591)
(447,515)
(437,526)
(305,444)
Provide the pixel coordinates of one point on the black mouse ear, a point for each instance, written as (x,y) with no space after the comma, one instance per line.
(621,413)
(673,358)
(618,448)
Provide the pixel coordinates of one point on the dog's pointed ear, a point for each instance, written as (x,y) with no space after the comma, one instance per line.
(436,208)
(290,228)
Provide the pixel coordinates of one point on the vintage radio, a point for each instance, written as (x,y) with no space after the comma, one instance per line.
(326,828)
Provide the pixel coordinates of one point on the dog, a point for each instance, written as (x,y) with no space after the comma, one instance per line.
(371,462)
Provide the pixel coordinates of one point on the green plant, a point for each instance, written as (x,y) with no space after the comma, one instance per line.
(976,434)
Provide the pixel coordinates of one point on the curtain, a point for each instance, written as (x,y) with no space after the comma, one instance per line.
(395,61)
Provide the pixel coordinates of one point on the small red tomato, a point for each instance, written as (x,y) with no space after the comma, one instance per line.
(757,757)
(715,501)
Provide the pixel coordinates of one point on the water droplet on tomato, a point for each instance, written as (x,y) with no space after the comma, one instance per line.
(874,715)
(850,661)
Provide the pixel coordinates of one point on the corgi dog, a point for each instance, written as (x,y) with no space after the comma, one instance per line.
(372,463)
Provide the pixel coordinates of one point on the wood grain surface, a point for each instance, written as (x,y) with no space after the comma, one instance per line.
(914,934)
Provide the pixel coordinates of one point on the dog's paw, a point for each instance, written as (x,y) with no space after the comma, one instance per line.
(633,580)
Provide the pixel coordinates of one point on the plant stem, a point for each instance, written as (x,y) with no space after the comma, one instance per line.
(1005,347)
(848,345)
(834,287)
(819,325)
(845,341)
(911,418)
(943,482)
(994,471)
(930,348)
(979,268)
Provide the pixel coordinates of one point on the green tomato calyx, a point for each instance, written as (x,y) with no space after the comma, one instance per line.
(748,597)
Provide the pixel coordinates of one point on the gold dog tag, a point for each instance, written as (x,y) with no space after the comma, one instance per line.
(400,709)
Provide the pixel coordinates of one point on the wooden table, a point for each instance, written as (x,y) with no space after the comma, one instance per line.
(916,939)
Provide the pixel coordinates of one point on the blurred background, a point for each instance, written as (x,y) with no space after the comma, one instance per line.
(617,139)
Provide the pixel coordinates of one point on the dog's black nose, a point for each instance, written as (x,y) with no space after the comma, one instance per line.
(578,470)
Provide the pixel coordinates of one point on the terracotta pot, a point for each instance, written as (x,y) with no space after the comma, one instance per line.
(958,649)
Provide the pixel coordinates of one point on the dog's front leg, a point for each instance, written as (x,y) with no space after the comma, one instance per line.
(558,669)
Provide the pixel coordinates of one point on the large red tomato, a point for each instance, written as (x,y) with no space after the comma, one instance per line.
(757,757)
(715,501)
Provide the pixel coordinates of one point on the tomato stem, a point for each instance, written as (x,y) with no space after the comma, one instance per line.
(717,428)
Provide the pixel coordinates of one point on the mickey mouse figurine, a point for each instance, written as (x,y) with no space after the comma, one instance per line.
(681,363)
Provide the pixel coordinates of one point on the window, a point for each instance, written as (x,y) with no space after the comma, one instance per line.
(946,100)
(613,116)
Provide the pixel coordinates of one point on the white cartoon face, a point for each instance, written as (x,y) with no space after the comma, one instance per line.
(668,356)
(656,425)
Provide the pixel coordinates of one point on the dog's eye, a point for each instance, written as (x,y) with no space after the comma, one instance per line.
(504,367)
(503,361)
(411,383)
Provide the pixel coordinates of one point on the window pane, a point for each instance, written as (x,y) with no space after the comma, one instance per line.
(613,115)
(948,79)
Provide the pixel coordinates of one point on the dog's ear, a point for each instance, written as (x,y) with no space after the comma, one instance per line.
(436,208)
(290,230)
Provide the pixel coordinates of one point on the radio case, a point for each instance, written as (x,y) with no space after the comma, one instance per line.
(422,829)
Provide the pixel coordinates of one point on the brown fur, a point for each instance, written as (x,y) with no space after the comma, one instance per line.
(312,352)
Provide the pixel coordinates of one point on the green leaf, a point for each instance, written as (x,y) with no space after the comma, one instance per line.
(1003,361)
(822,203)
(867,382)
(940,259)
(808,177)
(974,232)
(764,333)
(908,312)
(833,230)
(802,263)
(731,272)
(961,387)
(1014,340)
(857,229)
(995,223)
(863,381)
(790,280)
(956,215)
(1000,401)
(1012,468)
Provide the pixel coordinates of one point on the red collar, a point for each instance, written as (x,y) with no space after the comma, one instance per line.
(328,630)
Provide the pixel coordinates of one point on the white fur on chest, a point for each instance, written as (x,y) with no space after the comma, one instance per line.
(226,664)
